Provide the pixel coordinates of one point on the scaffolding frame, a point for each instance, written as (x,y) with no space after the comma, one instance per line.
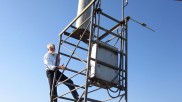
(117,35)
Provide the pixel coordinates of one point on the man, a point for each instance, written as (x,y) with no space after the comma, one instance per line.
(50,61)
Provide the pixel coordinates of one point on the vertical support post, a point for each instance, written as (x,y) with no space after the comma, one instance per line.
(53,86)
(125,49)
(126,62)
(55,72)
(122,43)
(89,53)
(98,12)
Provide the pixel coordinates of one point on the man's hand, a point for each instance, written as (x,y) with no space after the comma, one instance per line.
(62,67)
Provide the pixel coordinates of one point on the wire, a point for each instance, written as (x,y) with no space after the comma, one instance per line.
(113,92)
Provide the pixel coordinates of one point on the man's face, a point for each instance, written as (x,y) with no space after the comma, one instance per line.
(52,49)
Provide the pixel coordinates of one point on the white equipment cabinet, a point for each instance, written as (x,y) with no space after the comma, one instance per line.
(104,63)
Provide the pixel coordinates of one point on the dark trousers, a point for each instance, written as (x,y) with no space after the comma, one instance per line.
(50,76)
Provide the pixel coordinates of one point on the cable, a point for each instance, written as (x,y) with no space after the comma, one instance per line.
(113,92)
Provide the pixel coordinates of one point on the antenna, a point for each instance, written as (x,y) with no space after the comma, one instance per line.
(142,24)
(127,1)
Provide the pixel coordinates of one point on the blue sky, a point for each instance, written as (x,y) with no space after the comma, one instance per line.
(26,26)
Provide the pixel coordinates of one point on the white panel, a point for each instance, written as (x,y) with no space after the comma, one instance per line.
(107,54)
(92,63)
(106,74)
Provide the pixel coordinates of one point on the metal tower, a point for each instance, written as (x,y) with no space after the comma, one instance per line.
(96,53)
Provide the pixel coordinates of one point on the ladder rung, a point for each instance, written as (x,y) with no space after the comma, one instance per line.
(75,45)
(71,57)
(88,99)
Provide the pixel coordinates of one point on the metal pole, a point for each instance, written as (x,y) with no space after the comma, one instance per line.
(125,31)
(126,62)
(89,53)
(55,72)
(53,86)
(122,35)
